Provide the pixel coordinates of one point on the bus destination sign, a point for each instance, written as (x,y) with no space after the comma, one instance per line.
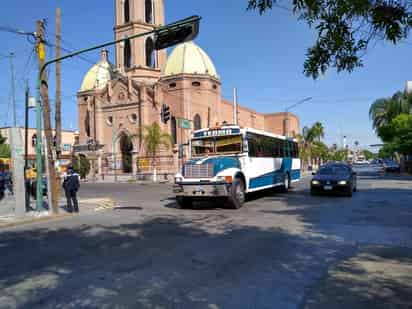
(218,132)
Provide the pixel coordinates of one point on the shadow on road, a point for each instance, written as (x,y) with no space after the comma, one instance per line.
(165,262)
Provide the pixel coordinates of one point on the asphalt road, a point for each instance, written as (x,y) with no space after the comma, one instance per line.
(278,251)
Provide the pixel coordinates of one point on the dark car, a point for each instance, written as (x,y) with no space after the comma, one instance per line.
(334,178)
(391,166)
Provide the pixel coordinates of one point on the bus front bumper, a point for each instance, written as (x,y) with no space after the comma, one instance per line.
(202,190)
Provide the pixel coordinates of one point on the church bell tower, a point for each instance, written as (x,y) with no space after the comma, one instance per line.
(137,58)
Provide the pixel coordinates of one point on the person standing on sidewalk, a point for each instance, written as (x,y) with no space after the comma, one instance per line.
(71,185)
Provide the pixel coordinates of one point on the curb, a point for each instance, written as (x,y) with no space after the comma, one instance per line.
(35,220)
(105,205)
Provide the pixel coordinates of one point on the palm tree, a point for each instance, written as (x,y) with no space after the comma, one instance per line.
(153,140)
(383,110)
(318,131)
(306,140)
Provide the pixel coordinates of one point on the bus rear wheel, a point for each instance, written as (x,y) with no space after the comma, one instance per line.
(237,195)
(286,183)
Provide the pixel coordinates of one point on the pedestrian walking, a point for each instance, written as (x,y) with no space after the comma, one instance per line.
(71,185)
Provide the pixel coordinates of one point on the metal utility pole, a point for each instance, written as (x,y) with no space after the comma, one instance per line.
(58,85)
(40,47)
(13,89)
(287,110)
(235,112)
(26,147)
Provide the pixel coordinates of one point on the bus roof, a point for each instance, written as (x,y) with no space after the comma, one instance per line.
(238,129)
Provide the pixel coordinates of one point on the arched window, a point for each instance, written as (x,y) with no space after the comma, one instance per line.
(197,122)
(126,11)
(150,59)
(127,54)
(149,11)
(173,128)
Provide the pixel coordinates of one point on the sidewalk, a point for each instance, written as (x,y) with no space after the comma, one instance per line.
(86,206)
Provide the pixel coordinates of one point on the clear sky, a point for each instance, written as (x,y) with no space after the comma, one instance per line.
(261,56)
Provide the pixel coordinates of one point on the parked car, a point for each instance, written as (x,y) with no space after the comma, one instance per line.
(391,166)
(334,178)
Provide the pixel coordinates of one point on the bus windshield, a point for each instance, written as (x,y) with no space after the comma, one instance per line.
(217,145)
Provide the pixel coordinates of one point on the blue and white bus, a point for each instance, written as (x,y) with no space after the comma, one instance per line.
(231,161)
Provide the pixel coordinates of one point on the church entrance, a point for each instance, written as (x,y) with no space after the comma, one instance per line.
(126,149)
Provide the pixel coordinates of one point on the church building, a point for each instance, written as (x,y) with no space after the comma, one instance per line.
(117,101)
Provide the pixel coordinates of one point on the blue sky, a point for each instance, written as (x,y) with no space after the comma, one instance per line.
(260,55)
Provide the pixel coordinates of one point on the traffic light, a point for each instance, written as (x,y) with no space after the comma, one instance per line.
(179,32)
(165,113)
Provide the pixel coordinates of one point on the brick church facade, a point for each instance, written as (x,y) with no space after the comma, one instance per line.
(116,101)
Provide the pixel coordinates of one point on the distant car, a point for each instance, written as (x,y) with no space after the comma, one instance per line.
(361,162)
(334,178)
(391,166)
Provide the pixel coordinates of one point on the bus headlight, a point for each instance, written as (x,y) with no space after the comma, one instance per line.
(227,179)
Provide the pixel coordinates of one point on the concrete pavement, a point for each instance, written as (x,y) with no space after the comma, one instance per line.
(279,251)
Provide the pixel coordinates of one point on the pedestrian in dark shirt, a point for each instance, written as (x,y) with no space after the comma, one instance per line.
(71,185)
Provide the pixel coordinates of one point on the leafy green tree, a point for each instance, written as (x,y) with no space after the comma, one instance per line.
(345,29)
(2,139)
(339,155)
(398,134)
(369,155)
(320,151)
(5,151)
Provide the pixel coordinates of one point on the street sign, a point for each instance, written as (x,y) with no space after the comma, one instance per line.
(184,123)
(87,147)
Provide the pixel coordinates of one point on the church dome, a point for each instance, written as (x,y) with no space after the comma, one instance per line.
(99,74)
(189,58)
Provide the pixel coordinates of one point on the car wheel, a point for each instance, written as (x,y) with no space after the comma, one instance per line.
(313,192)
(355,189)
(184,202)
(237,195)
(286,183)
(349,192)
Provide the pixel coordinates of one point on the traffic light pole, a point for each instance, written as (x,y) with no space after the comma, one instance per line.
(167,36)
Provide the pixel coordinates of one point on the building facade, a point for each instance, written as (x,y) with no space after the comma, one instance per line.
(117,101)
(68,140)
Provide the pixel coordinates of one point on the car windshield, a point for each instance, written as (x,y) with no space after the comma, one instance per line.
(217,145)
(333,170)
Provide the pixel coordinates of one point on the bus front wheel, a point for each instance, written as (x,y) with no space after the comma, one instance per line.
(236,197)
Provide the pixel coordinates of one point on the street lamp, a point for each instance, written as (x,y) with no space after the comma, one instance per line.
(287,109)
